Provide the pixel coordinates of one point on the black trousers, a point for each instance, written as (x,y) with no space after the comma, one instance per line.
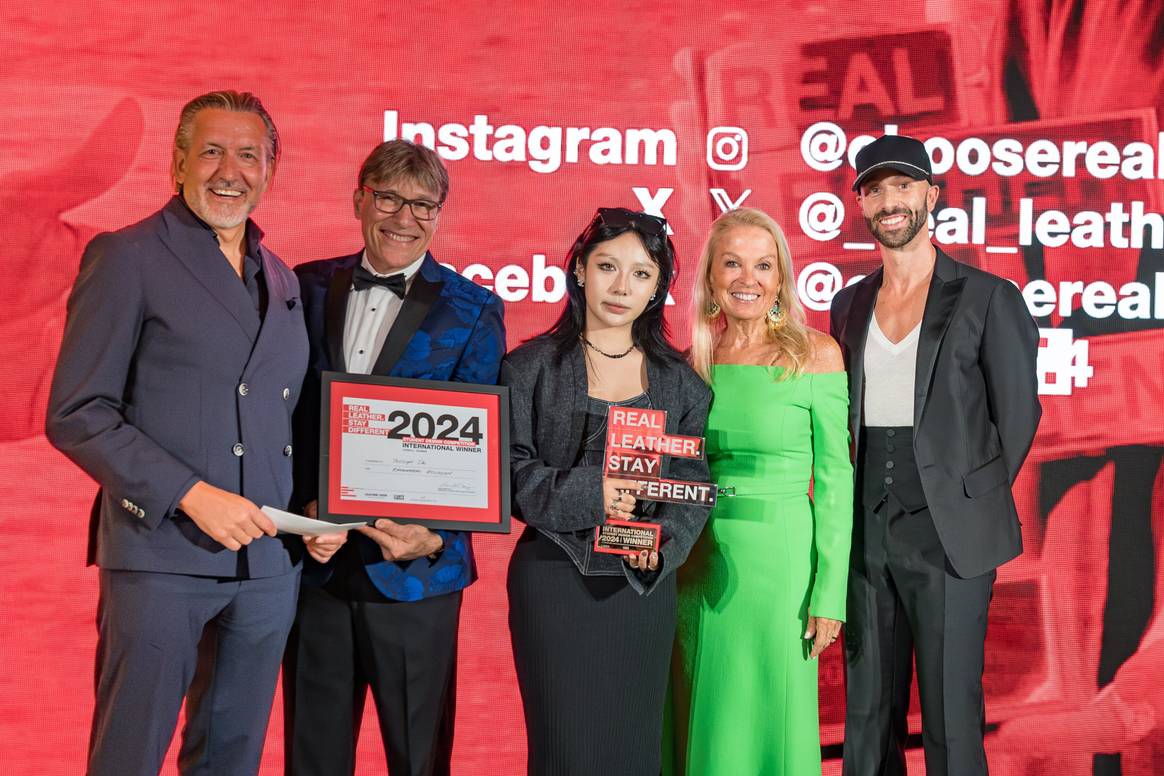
(348,638)
(905,602)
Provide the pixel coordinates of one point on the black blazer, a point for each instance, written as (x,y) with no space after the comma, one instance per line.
(448,329)
(548,398)
(975,407)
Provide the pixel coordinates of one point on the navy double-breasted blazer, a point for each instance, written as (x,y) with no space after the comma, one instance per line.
(168,375)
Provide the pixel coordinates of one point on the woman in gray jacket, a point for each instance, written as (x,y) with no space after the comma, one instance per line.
(592,632)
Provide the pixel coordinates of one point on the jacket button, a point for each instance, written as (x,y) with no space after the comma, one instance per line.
(243,389)
(125,503)
(286,394)
(287,450)
(890,432)
(237,449)
(888,480)
(889,464)
(140,512)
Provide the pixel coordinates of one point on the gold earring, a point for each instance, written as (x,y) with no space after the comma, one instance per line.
(776,316)
(713,310)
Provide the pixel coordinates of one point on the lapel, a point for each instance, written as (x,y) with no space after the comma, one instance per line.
(422,294)
(197,248)
(661,391)
(335,312)
(856,331)
(276,298)
(945,290)
(576,361)
(658,392)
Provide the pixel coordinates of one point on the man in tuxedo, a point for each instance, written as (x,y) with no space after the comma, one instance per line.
(943,409)
(180,366)
(381,610)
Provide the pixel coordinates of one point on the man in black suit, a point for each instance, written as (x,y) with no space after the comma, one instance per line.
(380,610)
(180,366)
(943,409)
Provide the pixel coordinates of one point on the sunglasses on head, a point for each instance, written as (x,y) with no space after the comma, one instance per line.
(619,216)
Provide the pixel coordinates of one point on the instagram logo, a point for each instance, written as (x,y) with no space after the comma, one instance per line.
(727,148)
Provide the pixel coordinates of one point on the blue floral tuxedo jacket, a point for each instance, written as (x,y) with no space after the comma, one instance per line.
(448,328)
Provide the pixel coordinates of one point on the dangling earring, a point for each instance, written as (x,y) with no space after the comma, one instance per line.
(653,296)
(581,283)
(776,316)
(712,310)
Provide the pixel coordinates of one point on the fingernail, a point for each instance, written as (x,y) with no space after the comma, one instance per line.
(808,634)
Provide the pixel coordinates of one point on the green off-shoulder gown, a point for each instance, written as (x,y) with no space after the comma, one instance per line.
(743,690)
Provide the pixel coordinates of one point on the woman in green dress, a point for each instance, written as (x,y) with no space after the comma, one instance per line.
(763,592)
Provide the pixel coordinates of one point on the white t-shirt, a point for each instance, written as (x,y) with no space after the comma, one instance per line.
(889,377)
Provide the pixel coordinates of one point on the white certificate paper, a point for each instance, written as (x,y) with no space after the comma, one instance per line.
(414,453)
(289,522)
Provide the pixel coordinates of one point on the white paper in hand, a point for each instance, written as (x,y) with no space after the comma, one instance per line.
(288,522)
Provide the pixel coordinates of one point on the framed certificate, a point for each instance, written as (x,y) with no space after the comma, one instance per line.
(415,451)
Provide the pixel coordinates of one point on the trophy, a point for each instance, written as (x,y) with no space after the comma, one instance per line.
(636,442)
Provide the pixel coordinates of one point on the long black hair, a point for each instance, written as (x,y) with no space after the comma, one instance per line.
(649,331)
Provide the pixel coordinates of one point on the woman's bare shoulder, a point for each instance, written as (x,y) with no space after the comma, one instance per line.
(824,354)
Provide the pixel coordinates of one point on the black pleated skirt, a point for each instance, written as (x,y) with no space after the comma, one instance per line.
(592,659)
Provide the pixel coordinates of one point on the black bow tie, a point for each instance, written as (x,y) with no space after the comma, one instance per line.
(364,279)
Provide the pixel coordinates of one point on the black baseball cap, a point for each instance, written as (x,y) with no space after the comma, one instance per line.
(907,155)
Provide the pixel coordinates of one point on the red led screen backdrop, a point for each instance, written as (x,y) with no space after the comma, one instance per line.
(1043,120)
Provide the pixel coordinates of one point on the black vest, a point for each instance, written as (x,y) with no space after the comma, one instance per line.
(886,464)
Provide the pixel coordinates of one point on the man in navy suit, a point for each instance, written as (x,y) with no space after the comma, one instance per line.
(381,610)
(180,366)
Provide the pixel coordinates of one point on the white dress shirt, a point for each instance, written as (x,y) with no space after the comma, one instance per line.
(370,315)
(889,377)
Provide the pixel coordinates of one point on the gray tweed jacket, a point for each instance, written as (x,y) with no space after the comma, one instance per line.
(548,398)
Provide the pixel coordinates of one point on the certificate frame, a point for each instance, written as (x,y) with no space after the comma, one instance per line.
(338,507)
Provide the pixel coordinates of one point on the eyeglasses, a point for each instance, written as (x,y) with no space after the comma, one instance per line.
(619,216)
(389,203)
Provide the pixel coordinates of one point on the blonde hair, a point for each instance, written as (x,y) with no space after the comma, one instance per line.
(791,337)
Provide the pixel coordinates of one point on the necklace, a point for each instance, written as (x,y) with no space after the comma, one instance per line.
(597,349)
